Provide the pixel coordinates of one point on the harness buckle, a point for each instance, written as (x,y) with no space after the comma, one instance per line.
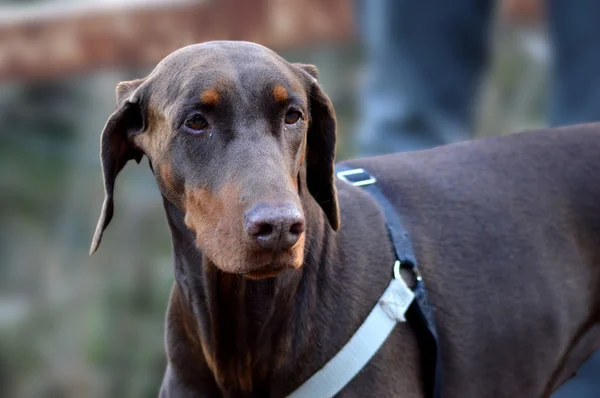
(415,271)
(356,177)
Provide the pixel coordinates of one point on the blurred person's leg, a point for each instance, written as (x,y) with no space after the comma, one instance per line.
(585,384)
(574,28)
(424,63)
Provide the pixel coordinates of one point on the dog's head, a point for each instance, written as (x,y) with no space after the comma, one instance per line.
(234,134)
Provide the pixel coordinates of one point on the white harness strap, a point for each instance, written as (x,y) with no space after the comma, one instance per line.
(367,340)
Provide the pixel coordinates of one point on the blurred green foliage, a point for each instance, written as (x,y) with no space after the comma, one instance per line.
(70,325)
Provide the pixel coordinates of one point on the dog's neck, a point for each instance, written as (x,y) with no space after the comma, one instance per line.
(250,330)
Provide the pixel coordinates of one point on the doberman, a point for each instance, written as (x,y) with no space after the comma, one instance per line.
(277,262)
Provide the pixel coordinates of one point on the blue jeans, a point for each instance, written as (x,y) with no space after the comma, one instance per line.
(426,59)
(425,62)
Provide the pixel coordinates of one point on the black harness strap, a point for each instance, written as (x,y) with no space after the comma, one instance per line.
(420,313)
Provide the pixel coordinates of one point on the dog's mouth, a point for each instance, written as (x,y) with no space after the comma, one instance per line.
(268,271)
(265,264)
(247,261)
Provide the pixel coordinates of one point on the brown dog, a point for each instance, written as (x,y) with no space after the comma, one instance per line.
(277,264)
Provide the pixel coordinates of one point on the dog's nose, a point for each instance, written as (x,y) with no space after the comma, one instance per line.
(275,226)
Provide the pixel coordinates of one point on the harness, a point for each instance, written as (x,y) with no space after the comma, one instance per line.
(398,303)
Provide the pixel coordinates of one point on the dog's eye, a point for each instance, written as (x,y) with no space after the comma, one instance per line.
(196,123)
(292,116)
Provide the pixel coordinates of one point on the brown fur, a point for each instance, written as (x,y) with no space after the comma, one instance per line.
(210,97)
(280,93)
(505,230)
(155,143)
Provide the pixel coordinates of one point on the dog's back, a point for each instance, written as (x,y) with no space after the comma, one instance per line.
(507,232)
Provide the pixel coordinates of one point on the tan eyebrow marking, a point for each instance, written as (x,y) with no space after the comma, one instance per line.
(210,97)
(280,93)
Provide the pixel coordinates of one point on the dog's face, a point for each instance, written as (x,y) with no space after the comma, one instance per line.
(234,134)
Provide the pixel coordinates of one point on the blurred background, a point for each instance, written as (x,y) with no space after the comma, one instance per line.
(78,326)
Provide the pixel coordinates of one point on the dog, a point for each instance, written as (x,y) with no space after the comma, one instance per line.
(278,262)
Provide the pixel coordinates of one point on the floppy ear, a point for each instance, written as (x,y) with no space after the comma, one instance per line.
(320,149)
(116,149)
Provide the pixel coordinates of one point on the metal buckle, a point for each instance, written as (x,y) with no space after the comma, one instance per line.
(343,175)
(414,270)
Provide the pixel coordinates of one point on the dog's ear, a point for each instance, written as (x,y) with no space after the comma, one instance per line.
(320,148)
(310,69)
(116,148)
